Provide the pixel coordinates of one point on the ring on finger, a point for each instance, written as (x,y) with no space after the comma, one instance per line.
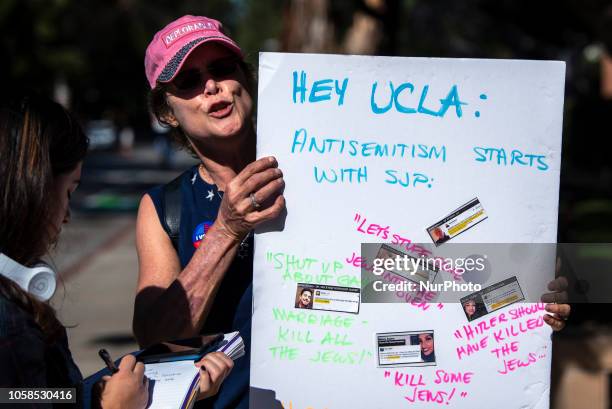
(254,201)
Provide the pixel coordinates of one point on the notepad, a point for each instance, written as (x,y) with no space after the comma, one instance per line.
(171,384)
(175,385)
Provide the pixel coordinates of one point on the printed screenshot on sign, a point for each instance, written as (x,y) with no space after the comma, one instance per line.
(411,348)
(327,298)
(460,220)
(492,298)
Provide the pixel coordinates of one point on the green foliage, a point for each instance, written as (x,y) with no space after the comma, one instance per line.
(260,26)
(98,46)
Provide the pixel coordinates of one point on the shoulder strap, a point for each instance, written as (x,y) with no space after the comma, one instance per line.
(171,199)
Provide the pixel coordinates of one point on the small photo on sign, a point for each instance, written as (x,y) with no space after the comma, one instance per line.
(410,348)
(492,298)
(458,221)
(473,307)
(303,297)
(327,298)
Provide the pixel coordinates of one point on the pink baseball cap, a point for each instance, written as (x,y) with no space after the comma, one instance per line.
(172,45)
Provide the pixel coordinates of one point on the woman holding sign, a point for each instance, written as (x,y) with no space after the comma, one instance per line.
(193,234)
(201,281)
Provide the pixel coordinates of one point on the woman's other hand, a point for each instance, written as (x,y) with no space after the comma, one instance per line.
(252,197)
(558,312)
(126,389)
(214,368)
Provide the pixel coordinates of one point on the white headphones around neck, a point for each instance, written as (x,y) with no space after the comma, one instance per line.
(39,280)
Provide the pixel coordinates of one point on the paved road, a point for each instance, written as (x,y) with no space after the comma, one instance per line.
(95,301)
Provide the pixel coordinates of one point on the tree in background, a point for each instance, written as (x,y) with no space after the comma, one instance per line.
(95,47)
(358,27)
(91,51)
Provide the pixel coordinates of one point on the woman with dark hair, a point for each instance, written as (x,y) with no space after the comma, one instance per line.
(469,307)
(426,341)
(41,152)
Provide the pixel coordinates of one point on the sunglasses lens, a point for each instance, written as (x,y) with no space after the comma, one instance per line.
(192,78)
(222,68)
(187,80)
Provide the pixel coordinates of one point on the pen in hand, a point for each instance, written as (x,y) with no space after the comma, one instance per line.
(108,361)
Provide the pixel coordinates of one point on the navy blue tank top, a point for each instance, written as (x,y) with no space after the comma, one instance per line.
(231,310)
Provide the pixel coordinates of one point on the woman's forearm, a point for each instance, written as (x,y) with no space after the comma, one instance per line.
(180,310)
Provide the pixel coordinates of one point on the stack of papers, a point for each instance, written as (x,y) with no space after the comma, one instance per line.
(232,345)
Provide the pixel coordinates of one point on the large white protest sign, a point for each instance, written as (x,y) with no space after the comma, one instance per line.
(402,151)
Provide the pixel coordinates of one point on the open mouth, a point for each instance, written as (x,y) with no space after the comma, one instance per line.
(220,109)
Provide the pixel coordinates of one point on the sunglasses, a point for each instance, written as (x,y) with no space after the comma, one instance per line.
(190,79)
